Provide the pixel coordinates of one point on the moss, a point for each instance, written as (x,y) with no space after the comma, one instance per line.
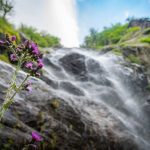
(55,104)
(54,139)
(4,58)
(7,28)
(7,145)
(133,59)
(117,52)
(145,40)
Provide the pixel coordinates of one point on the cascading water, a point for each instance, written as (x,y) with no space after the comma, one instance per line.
(103,89)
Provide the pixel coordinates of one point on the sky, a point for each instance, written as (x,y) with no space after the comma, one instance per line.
(71,19)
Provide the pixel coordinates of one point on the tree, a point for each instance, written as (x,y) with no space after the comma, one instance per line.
(6,8)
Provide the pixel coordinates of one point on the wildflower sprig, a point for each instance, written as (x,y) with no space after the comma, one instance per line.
(28,57)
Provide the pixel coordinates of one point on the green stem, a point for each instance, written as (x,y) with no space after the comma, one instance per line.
(9,101)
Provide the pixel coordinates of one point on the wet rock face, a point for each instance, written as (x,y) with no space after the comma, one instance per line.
(74,63)
(64,120)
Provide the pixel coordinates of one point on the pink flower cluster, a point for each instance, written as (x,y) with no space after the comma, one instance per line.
(36,137)
(35,63)
(28,50)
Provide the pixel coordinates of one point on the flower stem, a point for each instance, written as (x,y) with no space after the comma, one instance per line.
(8,101)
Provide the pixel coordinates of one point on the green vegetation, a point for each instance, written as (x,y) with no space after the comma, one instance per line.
(55,104)
(115,34)
(146,40)
(130,33)
(4,58)
(7,28)
(133,59)
(110,35)
(43,39)
(146,31)
(117,52)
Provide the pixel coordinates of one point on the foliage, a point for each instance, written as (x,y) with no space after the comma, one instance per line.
(133,59)
(130,33)
(6,27)
(109,35)
(6,8)
(4,58)
(117,52)
(43,39)
(146,40)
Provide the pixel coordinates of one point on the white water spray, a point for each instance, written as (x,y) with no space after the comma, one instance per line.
(62,21)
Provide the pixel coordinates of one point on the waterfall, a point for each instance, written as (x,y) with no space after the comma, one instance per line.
(62,21)
(58,17)
(103,89)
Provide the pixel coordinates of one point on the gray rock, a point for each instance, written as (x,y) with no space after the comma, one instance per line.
(69,126)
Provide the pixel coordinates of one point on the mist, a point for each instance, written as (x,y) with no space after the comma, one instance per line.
(62,21)
(58,17)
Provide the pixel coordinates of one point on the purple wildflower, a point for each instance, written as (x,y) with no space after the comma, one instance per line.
(2,42)
(13,38)
(29,65)
(13,57)
(29,88)
(40,65)
(35,51)
(33,46)
(40,60)
(36,137)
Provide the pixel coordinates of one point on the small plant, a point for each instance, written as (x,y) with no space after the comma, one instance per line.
(133,59)
(55,104)
(26,56)
(36,138)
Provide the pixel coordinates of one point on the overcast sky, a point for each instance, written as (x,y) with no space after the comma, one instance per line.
(71,19)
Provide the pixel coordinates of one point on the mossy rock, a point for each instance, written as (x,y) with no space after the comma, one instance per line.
(4,58)
(55,103)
